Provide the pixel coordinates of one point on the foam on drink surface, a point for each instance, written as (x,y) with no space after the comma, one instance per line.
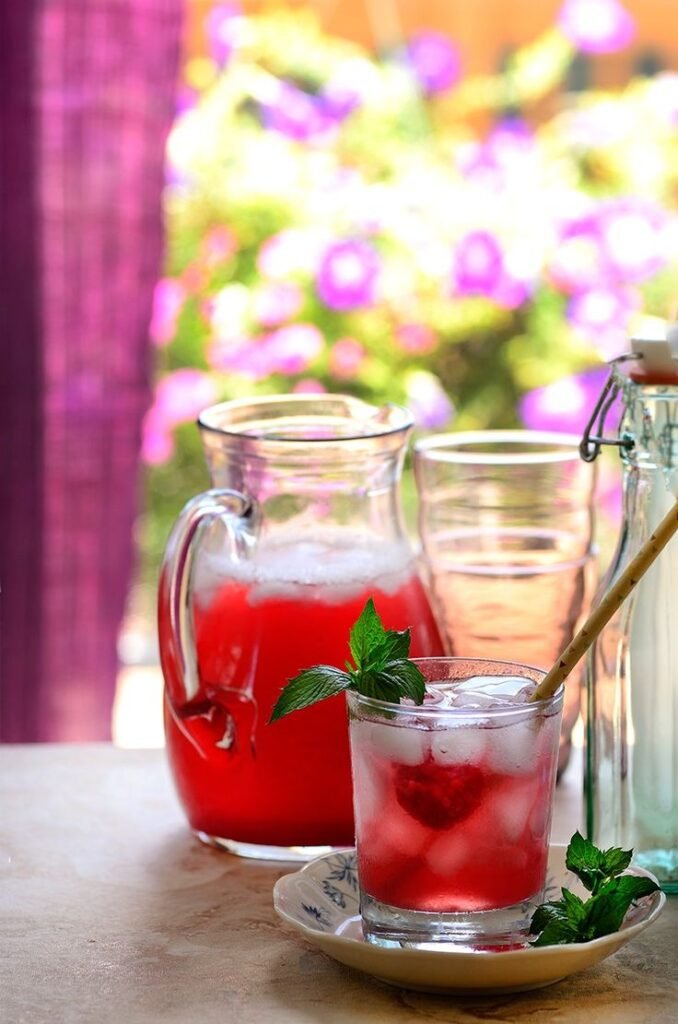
(336,564)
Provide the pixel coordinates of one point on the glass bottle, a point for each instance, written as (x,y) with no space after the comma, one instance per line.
(263,576)
(631,762)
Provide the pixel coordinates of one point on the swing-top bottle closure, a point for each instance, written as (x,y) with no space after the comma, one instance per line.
(651,362)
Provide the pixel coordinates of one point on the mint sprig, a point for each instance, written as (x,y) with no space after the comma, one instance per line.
(381,669)
(572,919)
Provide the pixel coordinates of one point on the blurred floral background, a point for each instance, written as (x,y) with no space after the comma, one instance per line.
(392,225)
(340,221)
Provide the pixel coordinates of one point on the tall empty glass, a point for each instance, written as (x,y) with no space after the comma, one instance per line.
(506,522)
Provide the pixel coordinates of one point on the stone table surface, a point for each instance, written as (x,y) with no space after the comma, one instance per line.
(110,911)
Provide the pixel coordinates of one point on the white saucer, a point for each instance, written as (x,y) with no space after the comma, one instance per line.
(321,902)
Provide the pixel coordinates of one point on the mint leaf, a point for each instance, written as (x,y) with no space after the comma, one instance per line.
(616,860)
(408,679)
(607,910)
(309,687)
(382,669)
(571,919)
(394,646)
(592,866)
(366,635)
(584,860)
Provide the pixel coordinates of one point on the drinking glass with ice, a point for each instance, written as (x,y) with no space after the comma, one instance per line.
(452,803)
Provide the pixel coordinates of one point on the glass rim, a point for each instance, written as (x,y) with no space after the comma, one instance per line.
(556,447)
(221,418)
(428,711)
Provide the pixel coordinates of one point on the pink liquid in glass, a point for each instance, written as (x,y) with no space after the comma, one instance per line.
(454,820)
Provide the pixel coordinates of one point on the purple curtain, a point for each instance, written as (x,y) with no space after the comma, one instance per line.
(87,93)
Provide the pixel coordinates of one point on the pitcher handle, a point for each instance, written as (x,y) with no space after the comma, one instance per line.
(178,655)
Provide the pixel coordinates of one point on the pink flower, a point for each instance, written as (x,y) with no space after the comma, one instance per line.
(218,245)
(346,357)
(596,26)
(288,350)
(490,164)
(275,302)
(293,348)
(416,338)
(631,236)
(168,298)
(309,386)
(179,397)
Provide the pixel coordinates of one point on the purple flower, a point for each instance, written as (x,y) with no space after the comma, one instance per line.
(296,114)
(168,298)
(566,404)
(480,269)
(348,274)
(602,315)
(429,404)
(435,61)
(346,357)
(220,25)
(596,26)
(276,301)
(340,98)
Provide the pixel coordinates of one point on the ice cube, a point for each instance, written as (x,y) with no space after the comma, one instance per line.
(400,744)
(494,689)
(459,746)
(511,811)
(449,853)
(513,749)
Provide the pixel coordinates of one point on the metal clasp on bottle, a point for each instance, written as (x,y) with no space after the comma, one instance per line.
(593,438)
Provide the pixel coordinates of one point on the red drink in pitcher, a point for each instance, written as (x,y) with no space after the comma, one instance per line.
(238,778)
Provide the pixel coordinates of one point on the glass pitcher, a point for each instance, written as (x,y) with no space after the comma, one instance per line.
(263,576)
(631,766)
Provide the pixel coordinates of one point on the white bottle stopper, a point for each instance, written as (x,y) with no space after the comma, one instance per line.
(658,355)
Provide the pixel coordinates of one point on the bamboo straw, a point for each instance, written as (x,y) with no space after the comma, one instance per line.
(599,618)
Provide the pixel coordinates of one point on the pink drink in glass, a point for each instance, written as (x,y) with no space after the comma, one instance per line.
(453,801)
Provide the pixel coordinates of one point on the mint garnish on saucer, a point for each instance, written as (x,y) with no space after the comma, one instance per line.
(381,669)
(572,919)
